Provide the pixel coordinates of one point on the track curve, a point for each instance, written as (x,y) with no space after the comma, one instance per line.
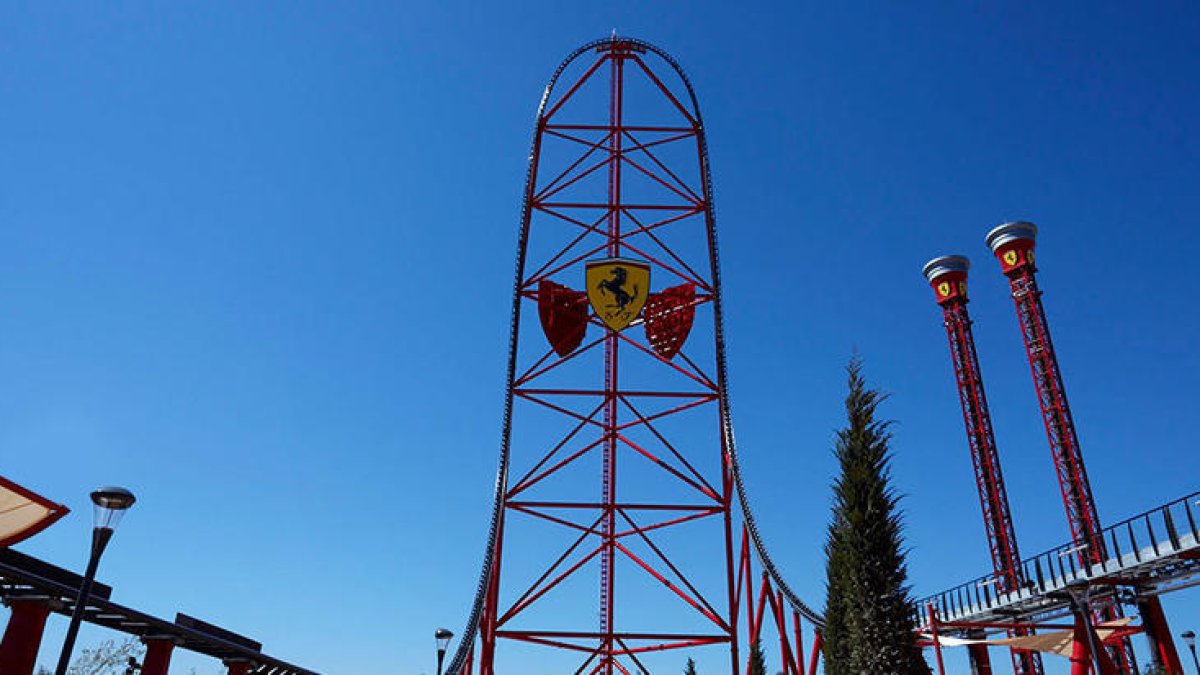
(466,642)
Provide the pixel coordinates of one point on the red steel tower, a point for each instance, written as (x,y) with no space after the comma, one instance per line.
(614,541)
(948,277)
(1013,244)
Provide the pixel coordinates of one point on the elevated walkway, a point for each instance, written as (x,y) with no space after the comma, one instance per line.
(1152,553)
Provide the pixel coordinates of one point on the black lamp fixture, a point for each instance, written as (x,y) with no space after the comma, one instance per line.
(110,504)
(442,637)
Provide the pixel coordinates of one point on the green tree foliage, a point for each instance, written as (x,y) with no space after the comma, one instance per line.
(758,664)
(867,610)
(690,668)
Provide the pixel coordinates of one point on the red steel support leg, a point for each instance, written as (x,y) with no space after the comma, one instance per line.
(1088,655)
(818,643)
(1101,659)
(237,666)
(23,637)
(1158,634)
(1080,656)
(981,662)
(937,645)
(799,643)
(158,655)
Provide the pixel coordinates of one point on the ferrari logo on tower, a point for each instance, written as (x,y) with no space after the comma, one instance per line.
(617,289)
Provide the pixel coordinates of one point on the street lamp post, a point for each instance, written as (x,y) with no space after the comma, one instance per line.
(110,504)
(1189,639)
(442,637)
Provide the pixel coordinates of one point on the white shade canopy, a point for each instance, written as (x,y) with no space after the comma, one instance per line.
(24,513)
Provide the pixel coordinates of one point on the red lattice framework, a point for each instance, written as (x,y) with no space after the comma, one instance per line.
(1013,245)
(614,545)
(948,277)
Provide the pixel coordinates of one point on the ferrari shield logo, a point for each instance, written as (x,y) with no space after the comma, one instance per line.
(617,289)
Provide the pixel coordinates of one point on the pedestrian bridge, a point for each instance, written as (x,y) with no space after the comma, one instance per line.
(1155,552)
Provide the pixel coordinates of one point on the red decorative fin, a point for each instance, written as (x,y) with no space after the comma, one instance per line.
(669,317)
(564,315)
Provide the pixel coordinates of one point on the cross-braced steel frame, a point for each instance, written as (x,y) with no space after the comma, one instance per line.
(606,179)
(1013,245)
(948,276)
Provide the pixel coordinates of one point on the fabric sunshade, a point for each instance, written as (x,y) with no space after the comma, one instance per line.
(1058,642)
(24,513)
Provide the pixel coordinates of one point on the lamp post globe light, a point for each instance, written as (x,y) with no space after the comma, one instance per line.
(1189,639)
(442,637)
(110,503)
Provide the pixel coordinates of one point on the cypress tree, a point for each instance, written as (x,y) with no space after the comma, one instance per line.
(758,664)
(868,611)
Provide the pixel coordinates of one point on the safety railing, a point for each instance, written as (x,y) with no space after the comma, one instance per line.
(1143,540)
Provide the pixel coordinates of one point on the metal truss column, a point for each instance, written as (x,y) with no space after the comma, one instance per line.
(608,478)
(948,277)
(1158,634)
(158,654)
(237,666)
(1013,244)
(23,636)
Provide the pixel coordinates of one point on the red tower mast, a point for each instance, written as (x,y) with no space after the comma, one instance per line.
(948,277)
(1013,244)
(618,469)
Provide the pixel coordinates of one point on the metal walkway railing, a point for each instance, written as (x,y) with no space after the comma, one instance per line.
(1156,551)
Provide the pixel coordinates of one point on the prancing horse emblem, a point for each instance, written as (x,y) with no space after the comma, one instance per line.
(617,289)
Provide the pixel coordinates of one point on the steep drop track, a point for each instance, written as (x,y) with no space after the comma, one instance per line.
(468,647)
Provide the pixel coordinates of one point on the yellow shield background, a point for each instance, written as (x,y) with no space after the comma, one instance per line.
(617,289)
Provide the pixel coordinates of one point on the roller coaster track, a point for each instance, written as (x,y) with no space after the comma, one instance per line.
(459,661)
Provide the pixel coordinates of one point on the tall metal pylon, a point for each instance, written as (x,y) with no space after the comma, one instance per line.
(614,542)
(947,275)
(1013,245)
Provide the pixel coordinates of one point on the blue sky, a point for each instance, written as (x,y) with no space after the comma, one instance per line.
(256,266)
